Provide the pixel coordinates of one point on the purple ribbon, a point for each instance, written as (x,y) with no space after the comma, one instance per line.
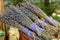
(48,20)
(33,27)
(26,31)
(55,23)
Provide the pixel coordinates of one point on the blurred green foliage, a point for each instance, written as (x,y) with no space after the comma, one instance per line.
(1,33)
(12,2)
(56,18)
(47,9)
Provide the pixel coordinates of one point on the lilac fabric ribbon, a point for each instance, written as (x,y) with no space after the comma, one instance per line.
(26,31)
(55,22)
(33,27)
(48,21)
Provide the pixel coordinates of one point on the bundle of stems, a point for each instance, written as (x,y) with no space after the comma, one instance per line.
(32,16)
(24,20)
(39,13)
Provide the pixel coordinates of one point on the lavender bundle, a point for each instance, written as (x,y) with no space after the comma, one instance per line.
(8,20)
(37,20)
(39,13)
(25,18)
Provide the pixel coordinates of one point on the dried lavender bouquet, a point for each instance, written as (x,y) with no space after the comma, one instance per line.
(39,13)
(37,20)
(8,20)
(35,27)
